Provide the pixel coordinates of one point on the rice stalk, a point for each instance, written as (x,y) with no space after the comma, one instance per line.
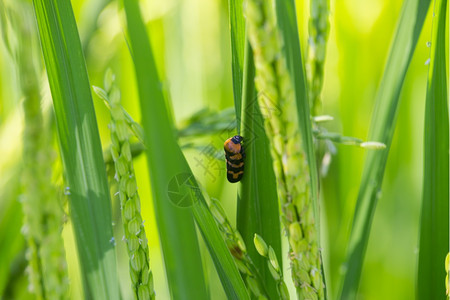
(80,148)
(257,201)
(272,262)
(168,168)
(278,106)
(43,213)
(319,27)
(133,225)
(238,250)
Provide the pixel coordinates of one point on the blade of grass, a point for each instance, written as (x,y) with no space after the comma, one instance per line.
(287,22)
(237,32)
(90,207)
(434,227)
(176,227)
(381,130)
(226,268)
(167,164)
(258,209)
(279,103)
(43,216)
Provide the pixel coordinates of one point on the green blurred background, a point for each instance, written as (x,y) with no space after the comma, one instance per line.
(191,42)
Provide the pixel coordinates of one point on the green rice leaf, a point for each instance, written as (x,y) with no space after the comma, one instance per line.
(287,21)
(276,84)
(434,227)
(237,32)
(382,130)
(226,268)
(175,191)
(176,226)
(89,201)
(258,208)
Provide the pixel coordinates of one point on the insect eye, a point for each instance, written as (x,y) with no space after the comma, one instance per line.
(237,139)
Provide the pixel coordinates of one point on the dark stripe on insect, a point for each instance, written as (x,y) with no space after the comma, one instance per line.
(234,169)
(234,154)
(235,157)
(235,165)
(234,177)
(232,160)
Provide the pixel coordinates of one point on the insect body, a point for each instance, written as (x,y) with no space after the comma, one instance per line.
(234,153)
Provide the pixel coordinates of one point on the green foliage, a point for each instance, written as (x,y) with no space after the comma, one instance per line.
(11,219)
(130,203)
(277,92)
(170,175)
(238,249)
(175,225)
(42,209)
(257,205)
(382,129)
(287,23)
(89,201)
(319,27)
(237,34)
(273,265)
(434,225)
(194,87)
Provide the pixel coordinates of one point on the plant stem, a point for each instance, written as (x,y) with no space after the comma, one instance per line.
(278,106)
(319,27)
(130,204)
(43,213)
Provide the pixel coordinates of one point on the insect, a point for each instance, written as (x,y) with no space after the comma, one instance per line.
(234,153)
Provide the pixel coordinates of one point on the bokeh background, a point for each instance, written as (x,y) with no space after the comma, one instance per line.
(191,42)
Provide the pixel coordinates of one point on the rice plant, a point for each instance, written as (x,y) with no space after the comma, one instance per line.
(123,193)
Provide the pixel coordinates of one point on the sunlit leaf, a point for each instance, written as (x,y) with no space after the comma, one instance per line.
(382,129)
(434,225)
(90,206)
